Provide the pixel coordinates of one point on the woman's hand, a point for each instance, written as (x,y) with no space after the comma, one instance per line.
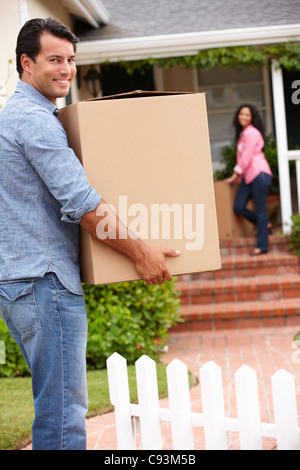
(232,179)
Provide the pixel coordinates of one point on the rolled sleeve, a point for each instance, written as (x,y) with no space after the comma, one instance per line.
(91,202)
(237,169)
(57,165)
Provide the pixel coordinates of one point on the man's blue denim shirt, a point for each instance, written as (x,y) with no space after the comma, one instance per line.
(44,192)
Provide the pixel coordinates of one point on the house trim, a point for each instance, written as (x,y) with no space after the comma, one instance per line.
(174,45)
(92,11)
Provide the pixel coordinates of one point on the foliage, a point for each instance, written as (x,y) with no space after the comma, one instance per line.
(129,318)
(15,365)
(287,55)
(229,161)
(293,237)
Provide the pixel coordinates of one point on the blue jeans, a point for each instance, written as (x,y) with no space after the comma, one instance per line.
(50,326)
(257,190)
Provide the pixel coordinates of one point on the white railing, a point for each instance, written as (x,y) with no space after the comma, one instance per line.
(145,418)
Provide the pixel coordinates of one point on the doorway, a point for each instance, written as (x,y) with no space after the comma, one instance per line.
(115,79)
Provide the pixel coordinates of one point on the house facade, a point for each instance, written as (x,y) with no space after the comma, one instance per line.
(156,34)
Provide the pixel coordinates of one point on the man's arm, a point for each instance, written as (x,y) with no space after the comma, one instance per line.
(149,261)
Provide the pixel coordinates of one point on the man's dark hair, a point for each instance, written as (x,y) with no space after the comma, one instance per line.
(29,43)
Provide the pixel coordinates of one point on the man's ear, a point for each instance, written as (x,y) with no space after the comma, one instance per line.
(26,63)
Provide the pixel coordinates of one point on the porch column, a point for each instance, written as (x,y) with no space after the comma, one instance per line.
(282,148)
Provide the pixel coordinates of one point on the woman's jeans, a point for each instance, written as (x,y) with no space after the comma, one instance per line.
(257,190)
(50,326)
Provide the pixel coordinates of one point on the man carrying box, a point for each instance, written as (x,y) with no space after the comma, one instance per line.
(44,197)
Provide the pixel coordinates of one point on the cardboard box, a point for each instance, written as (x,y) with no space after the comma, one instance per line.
(230,225)
(148,154)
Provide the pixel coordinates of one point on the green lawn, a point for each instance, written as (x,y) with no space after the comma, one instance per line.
(16,406)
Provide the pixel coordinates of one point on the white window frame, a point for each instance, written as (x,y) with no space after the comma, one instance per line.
(267,107)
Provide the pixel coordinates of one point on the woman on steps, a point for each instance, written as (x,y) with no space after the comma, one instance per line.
(253,173)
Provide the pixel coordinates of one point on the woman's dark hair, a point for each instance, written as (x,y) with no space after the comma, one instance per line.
(256,120)
(29,43)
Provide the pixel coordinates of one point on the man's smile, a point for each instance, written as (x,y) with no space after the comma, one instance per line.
(64,81)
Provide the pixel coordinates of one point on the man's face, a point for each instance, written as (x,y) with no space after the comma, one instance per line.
(54,69)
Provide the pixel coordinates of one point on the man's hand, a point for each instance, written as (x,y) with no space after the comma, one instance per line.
(149,262)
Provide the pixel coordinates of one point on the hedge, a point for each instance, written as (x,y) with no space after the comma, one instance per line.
(129,318)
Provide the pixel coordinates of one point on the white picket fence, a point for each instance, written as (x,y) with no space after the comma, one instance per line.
(144,418)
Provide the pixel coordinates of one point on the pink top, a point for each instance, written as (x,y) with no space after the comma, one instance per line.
(251,160)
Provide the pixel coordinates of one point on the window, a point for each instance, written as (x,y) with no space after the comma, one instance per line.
(225,91)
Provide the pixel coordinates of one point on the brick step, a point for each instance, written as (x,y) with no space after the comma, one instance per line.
(245,245)
(239,289)
(243,265)
(248,291)
(238,314)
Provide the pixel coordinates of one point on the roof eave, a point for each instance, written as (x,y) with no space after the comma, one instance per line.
(91,11)
(174,45)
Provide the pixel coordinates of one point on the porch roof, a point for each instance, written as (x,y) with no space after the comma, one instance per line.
(131,19)
(168,28)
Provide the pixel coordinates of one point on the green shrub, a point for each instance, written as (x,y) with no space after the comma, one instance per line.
(228,160)
(14,365)
(129,318)
(293,237)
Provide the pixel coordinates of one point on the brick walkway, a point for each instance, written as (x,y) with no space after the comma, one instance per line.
(246,313)
(266,349)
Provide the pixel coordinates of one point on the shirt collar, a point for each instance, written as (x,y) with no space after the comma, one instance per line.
(33,93)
